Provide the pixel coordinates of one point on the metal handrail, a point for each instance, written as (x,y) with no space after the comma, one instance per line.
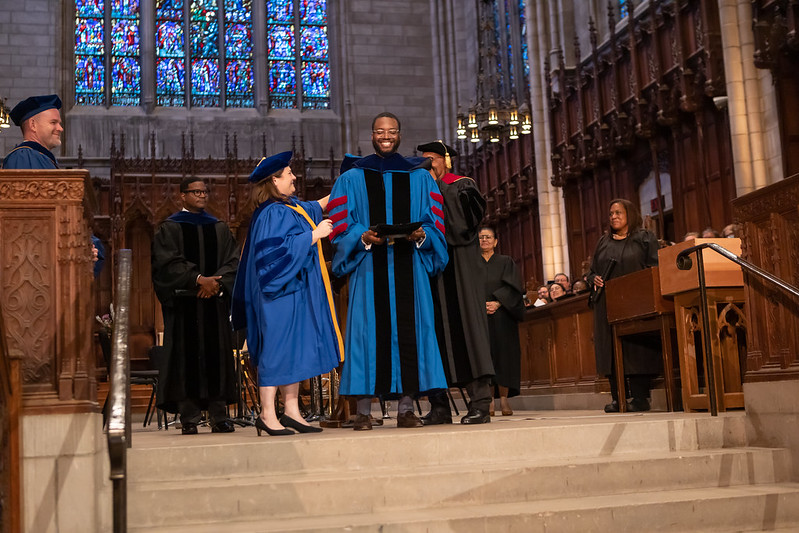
(684,262)
(119,403)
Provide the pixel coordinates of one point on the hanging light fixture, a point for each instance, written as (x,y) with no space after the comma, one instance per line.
(5,119)
(461,128)
(494,114)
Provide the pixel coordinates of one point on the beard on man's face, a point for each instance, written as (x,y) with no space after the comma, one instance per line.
(384,152)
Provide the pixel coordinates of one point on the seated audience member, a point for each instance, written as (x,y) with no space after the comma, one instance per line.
(710,233)
(730,231)
(543,296)
(564,281)
(691,235)
(556,291)
(579,287)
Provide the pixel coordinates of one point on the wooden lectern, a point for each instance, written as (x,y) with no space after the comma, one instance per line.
(641,310)
(727,322)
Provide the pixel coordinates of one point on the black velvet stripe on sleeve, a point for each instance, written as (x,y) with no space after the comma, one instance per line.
(191,243)
(375,191)
(404,286)
(211,263)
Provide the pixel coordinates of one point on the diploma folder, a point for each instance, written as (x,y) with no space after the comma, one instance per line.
(395,231)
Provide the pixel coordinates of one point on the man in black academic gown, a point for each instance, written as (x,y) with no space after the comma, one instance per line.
(194,262)
(459,294)
(40,120)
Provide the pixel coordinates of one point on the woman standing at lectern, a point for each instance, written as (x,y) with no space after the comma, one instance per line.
(627,247)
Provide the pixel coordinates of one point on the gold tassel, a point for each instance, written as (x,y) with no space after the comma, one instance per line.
(447,158)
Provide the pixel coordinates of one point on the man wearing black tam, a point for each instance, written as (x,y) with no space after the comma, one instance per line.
(40,121)
(194,262)
(459,294)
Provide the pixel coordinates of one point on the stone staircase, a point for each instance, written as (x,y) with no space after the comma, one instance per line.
(559,471)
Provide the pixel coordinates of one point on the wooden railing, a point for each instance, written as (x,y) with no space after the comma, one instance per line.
(119,433)
(10,438)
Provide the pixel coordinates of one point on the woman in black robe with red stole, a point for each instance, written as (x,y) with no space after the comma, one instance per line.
(505,308)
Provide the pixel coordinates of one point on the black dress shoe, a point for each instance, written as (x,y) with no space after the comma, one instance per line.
(362,423)
(260,425)
(638,405)
(188,428)
(408,420)
(436,417)
(299,426)
(612,407)
(225,426)
(476,416)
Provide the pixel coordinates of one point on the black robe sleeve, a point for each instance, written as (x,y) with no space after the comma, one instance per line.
(171,271)
(510,293)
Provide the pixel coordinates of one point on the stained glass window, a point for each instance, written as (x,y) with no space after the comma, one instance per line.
(297,39)
(95,20)
(510,70)
(525,55)
(314,54)
(205,90)
(125,68)
(281,54)
(238,53)
(89,52)
(624,8)
(170,52)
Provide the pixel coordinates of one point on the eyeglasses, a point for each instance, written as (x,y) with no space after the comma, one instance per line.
(197,192)
(485,237)
(383,132)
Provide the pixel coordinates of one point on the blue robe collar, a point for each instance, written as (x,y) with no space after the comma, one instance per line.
(385,164)
(41,149)
(198,219)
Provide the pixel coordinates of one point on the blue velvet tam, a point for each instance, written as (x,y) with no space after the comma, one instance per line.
(347,162)
(270,165)
(33,106)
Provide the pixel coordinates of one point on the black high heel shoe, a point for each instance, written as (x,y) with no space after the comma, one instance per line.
(299,426)
(261,426)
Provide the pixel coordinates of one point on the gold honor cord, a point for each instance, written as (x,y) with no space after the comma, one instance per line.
(325,278)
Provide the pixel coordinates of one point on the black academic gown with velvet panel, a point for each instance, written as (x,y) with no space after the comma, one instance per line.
(197,333)
(461,320)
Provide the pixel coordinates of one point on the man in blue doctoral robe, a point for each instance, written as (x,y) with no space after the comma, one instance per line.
(40,120)
(391,346)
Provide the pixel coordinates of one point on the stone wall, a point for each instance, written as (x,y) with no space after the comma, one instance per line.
(28,55)
(381,60)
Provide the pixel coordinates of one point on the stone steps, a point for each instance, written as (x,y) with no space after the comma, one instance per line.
(747,508)
(517,475)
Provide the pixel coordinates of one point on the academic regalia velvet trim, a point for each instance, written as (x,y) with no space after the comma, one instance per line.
(29,155)
(290,331)
(461,320)
(504,285)
(198,345)
(390,339)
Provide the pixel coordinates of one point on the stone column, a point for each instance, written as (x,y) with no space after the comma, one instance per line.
(751,103)
(554,246)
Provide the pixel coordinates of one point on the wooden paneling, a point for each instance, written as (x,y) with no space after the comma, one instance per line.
(770,231)
(656,113)
(505,175)
(558,349)
(46,282)
(10,438)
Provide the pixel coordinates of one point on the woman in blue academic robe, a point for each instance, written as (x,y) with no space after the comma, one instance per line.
(292,333)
